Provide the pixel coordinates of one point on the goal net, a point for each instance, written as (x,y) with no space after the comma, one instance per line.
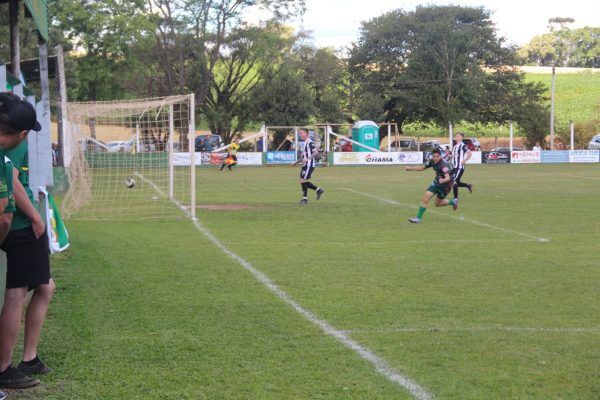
(130,159)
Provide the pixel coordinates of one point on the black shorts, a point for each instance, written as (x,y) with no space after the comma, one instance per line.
(27,259)
(457,174)
(306,172)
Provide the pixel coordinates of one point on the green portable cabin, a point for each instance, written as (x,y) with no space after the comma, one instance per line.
(367,133)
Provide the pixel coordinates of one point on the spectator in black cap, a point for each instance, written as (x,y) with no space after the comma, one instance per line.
(17,118)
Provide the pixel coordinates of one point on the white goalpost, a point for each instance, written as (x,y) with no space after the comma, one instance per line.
(123,159)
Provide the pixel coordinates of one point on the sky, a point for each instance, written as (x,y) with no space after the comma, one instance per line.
(336,23)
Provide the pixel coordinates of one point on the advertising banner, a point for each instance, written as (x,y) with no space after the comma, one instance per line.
(584,156)
(525,157)
(281,157)
(250,158)
(495,157)
(555,156)
(475,158)
(183,159)
(379,158)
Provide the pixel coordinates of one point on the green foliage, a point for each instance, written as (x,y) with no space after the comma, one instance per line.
(440,64)
(565,47)
(282,99)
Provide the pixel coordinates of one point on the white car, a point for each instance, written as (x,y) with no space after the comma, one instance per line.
(120,146)
(594,143)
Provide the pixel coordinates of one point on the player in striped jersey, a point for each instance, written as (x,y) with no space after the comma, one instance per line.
(310,154)
(460,155)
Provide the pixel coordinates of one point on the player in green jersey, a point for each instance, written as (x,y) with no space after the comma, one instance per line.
(440,187)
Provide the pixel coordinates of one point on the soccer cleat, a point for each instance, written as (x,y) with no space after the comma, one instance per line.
(303,202)
(320,193)
(12,378)
(414,220)
(35,366)
(470,187)
(455,204)
(2,395)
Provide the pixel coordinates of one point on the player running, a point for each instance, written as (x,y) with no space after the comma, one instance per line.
(231,159)
(460,155)
(440,187)
(309,157)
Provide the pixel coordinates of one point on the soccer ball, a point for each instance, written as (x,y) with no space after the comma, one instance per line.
(130,183)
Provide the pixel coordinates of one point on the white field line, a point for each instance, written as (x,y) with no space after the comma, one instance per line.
(471,221)
(474,329)
(381,366)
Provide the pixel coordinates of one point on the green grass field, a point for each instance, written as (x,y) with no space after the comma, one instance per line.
(469,304)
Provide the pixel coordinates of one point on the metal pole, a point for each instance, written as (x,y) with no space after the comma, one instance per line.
(572,136)
(170,150)
(44,139)
(192,150)
(511,138)
(137,137)
(62,92)
(15,50)
(450,130)
(265,138)
(389,138)
(552,105)
(328,139)
(296,143)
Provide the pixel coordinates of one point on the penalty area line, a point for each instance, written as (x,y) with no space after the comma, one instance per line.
(381,366)
(471,221)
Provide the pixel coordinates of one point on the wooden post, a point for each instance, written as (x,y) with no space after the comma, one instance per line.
(15,50)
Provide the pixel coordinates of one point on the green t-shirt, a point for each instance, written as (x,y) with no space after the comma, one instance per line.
(6,182)
(20,161)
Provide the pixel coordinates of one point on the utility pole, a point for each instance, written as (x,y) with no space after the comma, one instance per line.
(552,105)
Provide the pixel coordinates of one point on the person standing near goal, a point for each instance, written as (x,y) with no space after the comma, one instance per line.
(25,249)
(309,157)
(460,155)
(231,159)
(440,187)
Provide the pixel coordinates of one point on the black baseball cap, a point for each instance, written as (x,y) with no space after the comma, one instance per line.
(17,113)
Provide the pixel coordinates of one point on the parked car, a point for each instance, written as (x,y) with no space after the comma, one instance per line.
(403,145)
(472,144)
(496,155)
(93,146)
(120,146)
(507,149)
(208,143)
(430,145)
(595,143)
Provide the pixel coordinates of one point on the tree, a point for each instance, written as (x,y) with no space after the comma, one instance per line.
(251,54)
(104,32)
(283,99)
(564,47)
(440,64)
(326,75)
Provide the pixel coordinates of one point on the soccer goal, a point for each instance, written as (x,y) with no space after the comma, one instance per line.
(130,160)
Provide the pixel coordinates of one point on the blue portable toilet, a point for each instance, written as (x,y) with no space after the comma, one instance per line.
(367,133)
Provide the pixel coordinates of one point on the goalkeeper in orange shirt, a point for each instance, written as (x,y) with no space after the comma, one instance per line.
(231,159)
